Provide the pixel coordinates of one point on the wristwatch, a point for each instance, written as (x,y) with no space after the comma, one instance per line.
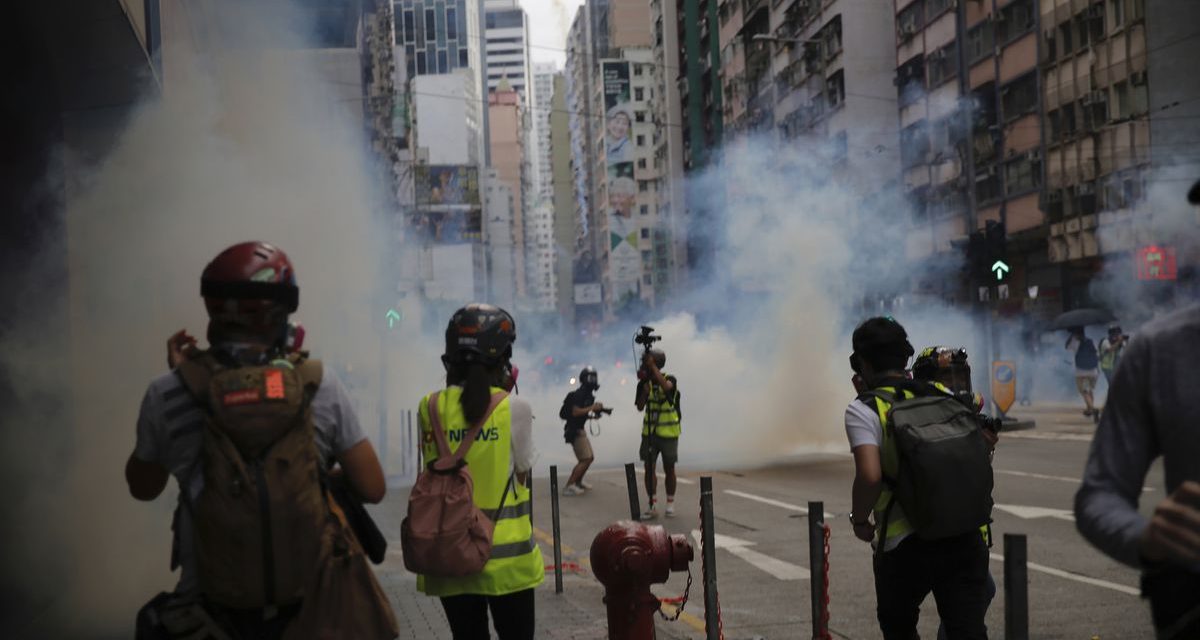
(854,521)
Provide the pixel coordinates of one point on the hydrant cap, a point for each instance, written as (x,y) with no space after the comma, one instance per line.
(630,552)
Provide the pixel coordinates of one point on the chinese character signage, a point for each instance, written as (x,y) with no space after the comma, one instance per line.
(1156,263)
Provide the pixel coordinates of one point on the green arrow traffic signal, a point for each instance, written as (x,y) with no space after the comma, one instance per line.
(1000,268)
(393,317)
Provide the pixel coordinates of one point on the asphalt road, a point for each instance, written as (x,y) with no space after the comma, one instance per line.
(1074,591)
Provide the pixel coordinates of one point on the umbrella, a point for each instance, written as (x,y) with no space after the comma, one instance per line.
(1083,318)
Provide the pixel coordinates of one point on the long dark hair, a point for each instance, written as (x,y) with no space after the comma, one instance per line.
(477,381)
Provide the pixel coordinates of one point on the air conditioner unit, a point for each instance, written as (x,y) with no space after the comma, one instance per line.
(1054,196)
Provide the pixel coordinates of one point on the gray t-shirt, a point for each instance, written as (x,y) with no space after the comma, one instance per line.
(169,429)
(1151,411)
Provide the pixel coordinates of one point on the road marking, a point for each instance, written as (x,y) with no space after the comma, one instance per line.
(1070,437)
(546,538)
(1029,513)
(774,503)
(1096,582)
(678,478)
(741,548)
(1042,476)
(688,619)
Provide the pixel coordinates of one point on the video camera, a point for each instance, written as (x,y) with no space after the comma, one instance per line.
(646,338)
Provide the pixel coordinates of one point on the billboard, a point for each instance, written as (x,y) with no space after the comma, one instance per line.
(448,209)
(625,264)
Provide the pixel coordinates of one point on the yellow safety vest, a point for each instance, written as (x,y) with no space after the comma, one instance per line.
(662,415)
(897,522)
(516,562)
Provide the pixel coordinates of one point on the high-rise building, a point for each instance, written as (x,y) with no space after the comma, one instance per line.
(566,223)
(541,246)
(699,35)
(506,33)
(541,103)
(668,140)
(579,80)
(507,131)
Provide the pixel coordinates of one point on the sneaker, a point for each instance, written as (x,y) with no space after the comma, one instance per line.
(670,509)
(585,484)
(572,490)
(650,514)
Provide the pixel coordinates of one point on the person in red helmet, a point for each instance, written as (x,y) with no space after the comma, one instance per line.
(254,432)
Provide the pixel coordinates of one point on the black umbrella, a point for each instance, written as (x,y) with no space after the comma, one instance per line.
(1083,318)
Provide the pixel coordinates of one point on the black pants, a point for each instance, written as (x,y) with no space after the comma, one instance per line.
(955,570)
(512,616)
(1174,603)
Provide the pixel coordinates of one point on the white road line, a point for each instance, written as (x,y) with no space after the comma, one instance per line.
(1070,437)
(678,478)
(780,569)
(774,503)
(1095,582)
(1041,476)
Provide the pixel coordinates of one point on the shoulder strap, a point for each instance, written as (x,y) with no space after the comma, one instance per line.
(310,370)
(439,434)
(196,373)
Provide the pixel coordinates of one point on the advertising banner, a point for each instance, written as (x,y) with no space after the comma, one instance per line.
(447,204)
(625,264)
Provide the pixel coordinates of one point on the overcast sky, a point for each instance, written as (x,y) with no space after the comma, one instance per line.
(549,21)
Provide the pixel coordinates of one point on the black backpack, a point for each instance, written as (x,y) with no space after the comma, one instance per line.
(1086,356)
(944,483)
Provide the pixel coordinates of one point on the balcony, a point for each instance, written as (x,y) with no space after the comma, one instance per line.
(751,6)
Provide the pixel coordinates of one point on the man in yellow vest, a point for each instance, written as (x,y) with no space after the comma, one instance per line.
(658,397)
(907,567)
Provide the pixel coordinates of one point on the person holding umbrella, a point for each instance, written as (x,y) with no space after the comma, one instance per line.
(1087,361)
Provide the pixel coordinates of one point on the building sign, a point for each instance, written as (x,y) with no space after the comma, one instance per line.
(588,293)
(448,209)
(624,257)
(1156,262)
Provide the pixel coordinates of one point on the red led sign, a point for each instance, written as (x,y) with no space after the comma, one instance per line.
(1156,263)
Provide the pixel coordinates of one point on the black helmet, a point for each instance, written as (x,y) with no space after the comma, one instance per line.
(947,365)
(589,379)
(879,339)
(481,333)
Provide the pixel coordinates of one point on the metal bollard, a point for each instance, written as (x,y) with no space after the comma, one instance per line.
(558,584)
(635,509)
(408,442)
(816,562)
(708,557)
(1016,587)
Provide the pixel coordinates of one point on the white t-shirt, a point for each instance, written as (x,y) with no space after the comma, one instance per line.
(863,427)
(169,430)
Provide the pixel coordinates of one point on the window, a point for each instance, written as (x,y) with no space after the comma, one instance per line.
(987,185)
(641,163)
(840,148)
(942,65)
(646,280)
(504,19)
(1095,21)
(421,63)
(1019,97)
(410,28)
(934,8)
(645,233)
(1055,120)
(980,41)
(1095,110)
(1016,19)
(639,94)
(644,210)
(910,21)
(831,38)
(914,144)
(442,62)
(430,26)
(835,88)
(647,258)
(1064,36)
(1068,120)
(1049,46)
(1116,11)
(1023,174)
(1124,103)
(451,23)
(1081,30)
(641,141)
(463,62)
(910,78)
(637,70)
(643,186)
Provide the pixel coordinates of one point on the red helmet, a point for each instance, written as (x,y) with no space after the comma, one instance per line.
(249,289)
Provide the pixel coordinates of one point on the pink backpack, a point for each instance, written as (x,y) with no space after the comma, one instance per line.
(445,534)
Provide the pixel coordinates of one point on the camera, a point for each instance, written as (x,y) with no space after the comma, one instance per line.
(646,337)
(606,411)
(991,424)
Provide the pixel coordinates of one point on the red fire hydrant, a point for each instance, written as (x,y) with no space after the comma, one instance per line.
(628,557)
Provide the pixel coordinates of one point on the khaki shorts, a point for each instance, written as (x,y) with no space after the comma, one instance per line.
(1085,384)
(582,447)
(653,445)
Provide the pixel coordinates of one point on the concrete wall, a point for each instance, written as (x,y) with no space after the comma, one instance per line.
(444,123)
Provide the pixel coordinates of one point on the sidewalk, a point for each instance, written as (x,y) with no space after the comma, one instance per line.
(1065,419)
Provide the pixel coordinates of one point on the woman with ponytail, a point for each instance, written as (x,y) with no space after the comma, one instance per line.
(479,343)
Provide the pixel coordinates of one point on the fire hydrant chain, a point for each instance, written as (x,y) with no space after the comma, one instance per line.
(679,602)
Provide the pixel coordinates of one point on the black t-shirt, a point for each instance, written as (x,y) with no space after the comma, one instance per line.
(578,398)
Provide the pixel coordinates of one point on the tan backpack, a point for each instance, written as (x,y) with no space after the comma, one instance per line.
(445,534)
(262,515)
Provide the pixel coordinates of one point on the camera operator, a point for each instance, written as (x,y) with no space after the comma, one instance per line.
(658,396)
(1110,351)
(577,407)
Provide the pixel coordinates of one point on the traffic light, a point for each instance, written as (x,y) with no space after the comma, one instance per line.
(997,250)
(977,256)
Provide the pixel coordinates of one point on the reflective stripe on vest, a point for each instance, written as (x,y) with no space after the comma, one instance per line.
(661,415)
(516,561)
